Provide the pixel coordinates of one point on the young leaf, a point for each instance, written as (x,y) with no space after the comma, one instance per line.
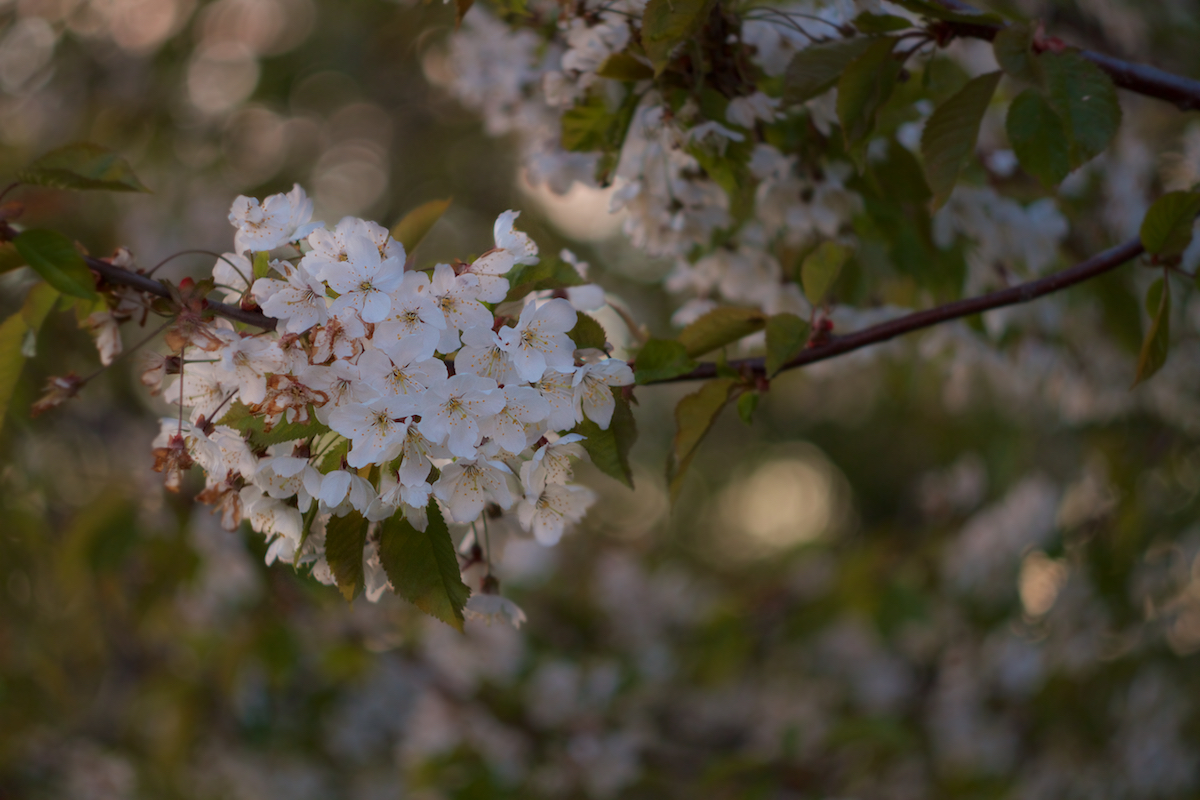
(867,22)
(1085,98)
(694,417)
(240,418)
(786,336)
(414,225)
(1158,337)
(864,86)
(82,166)
(625,67)
(587,332)
(746,405)
(660,360)
(1013,48)
(821,268)
(345,538)
(423,567)
(1038,138)
(13,333)
(720,327)
(55,258)
(262,264)
(815,69)
(1167,227)
(609,449)
(333,456)
(950,134)
(667,23)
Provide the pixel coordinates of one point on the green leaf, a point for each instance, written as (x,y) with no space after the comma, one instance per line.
(345,538)
(720,327)
(867,22)
(333,456)
(416,224)
(1085,99)
(262,264)
(864,86)
(950,134)
(1038,138)
(933,10)
(423,566)
(815,69)
(13,333)
(10,259)
(821,268)
(82,166)
(1158,337)
(609,449)
(667,23)
(746,405)
(240,418)
(694,417)
(587,332)
(625,67)
(54,257)
(585,126)
(1167,227)
(1013,47)
(660,360)
(787,335)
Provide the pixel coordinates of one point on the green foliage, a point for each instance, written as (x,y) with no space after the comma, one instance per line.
(416,224)
(787,335)
(660,360)
(422,566)
(334,455)
(815,69)
(720,327)
(1013,47)
(54,257)
(1158,337)
(864,86)
(587,333)
(1037,136)
(950,134)
(82,166)
(1086,100)
(820,270)
(694,418)
(262,265)
(746,405)
(868,22)
(609,449)
(591,126)
(667,23)
(548,273)
(1167,227)
(625,67)
(345,538)
(242,419)
(13,333)
(10,258)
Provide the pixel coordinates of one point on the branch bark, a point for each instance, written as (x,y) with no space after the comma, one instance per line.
(144,283)
(1184,93)
(1085,270)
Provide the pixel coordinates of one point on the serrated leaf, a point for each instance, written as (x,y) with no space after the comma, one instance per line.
(868,22)
(82,166)
(815,69)
(936,11)
(416,224)
(587,332)
(625,67)
(950,134)
(422,566)
(54,257)
(787,335)
(10,259)
(609,449)
(345,538)
(333,456)
(13,334)
(864,86)
(667,23)
(660,360)
(820,270)
(1013,48)
(694,418)
(1167,227)
(720,327)
(1086,100)
(746,405)
(240,418)
(1158,337)
(1038,138)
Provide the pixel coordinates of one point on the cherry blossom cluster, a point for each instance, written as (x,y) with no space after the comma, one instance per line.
(419,387)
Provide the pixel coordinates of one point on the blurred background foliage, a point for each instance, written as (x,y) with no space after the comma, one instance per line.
(903,580)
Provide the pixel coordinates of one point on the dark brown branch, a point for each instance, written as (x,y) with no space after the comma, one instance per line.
(1181,92)
(144,283)
(1023,293)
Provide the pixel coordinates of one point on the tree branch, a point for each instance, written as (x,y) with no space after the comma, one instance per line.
(1184,93)
(144,283)
(1022,293)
